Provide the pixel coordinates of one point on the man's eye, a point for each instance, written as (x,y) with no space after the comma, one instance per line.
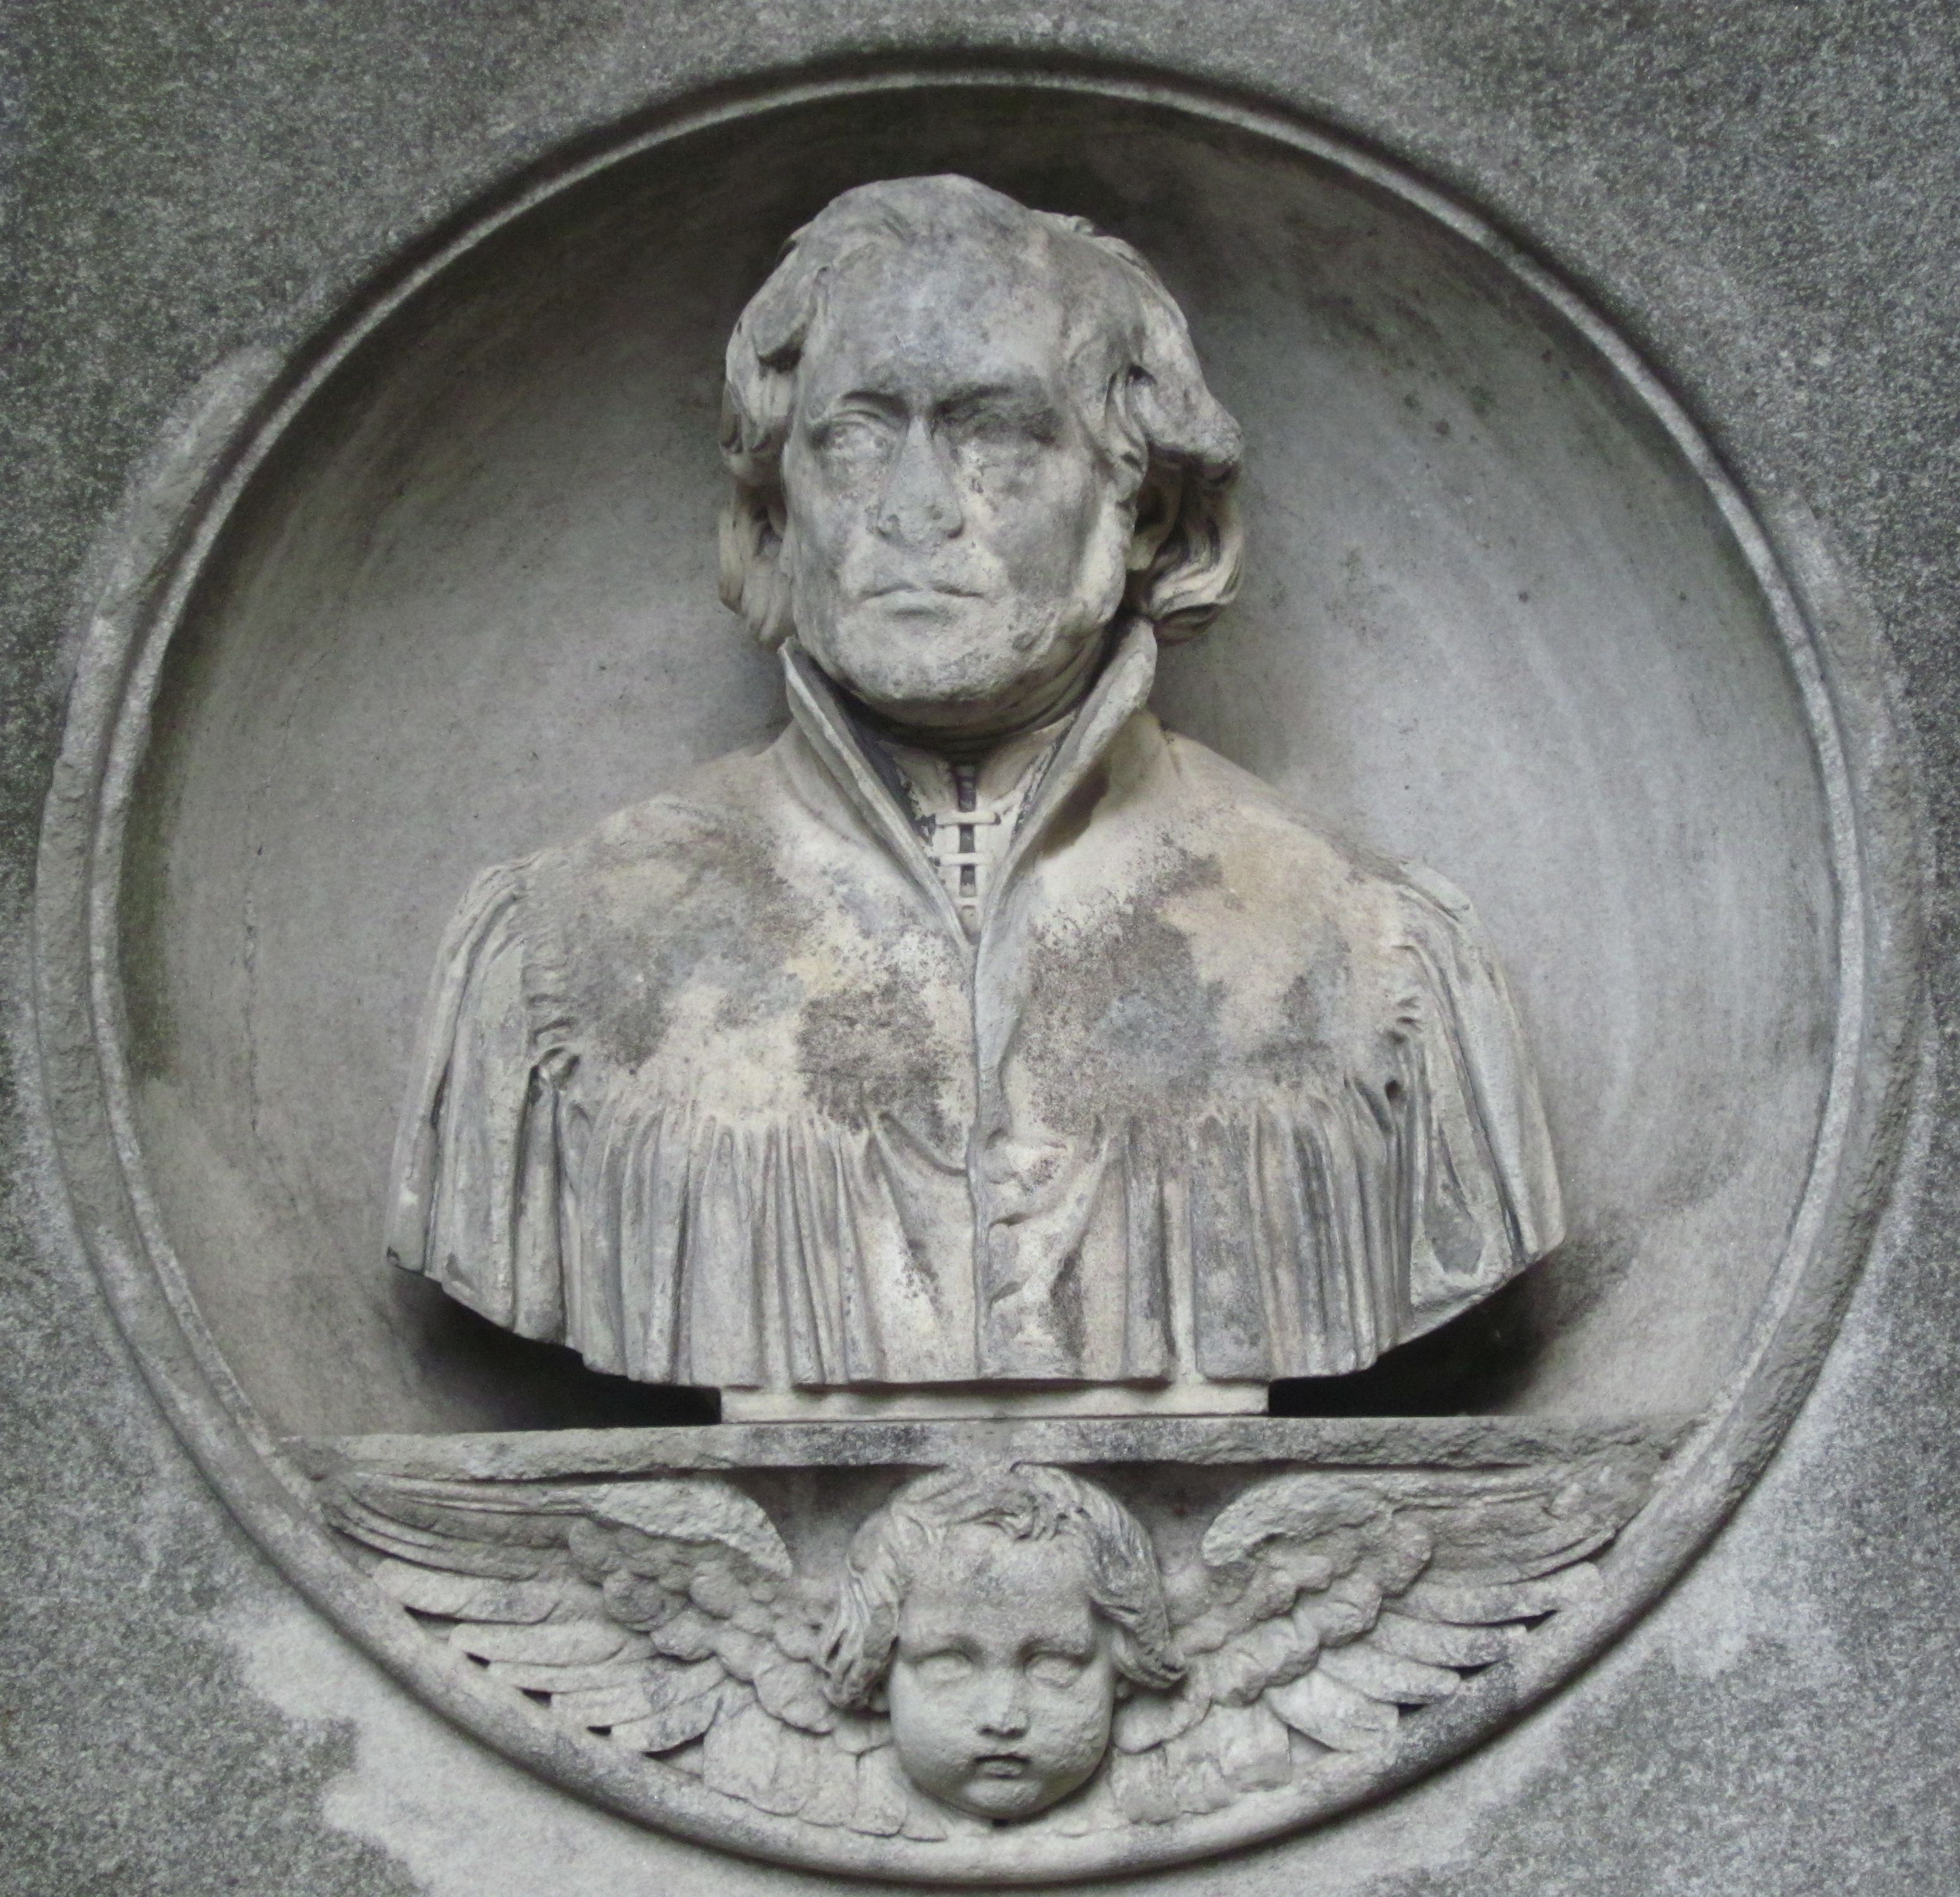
(1056,1669)
(999,429)
(850,434)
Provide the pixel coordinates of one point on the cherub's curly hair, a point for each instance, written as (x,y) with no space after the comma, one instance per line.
(1027,1502)
(1142,391)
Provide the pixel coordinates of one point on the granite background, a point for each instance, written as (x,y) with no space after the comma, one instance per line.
(1765,197)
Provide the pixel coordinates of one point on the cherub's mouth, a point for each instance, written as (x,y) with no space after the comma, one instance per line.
(1001,1764)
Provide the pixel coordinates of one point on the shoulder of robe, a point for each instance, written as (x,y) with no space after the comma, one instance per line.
(723,810)
(1224,810)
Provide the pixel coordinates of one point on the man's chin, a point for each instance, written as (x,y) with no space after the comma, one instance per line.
(942,698)
(937,669)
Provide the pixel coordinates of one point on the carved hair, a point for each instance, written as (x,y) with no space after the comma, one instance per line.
(1026,1502)
(1143,394)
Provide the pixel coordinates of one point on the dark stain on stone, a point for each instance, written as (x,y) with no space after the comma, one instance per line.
(1066,1310)
(1073,815)
(872,1049)
(727,920)
(1298,1042)
(1119,1023)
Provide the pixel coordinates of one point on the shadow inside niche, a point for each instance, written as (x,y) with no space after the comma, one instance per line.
(514,1384)
(1474,1363)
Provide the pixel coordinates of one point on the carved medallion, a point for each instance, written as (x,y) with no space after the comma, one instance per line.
(970,1265)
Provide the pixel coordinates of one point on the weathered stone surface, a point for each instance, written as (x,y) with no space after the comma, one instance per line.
(814,1089)
(1008,1643)
(1791,275)
(1371,1442)
(388,684)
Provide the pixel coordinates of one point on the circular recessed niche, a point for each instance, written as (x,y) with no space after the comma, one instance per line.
(455,599)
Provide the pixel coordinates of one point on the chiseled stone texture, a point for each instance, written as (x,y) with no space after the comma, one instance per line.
(1765,197)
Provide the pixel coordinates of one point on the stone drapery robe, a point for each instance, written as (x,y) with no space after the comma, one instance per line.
(724,1095)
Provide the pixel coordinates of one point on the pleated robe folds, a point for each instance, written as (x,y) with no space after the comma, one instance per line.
(723,1095)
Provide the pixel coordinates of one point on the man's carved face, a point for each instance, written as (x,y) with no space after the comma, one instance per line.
(956,542)
(1003,1684)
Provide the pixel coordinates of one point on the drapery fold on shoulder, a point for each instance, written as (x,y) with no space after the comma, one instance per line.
(1325,1230)
(479,1175)
(659,1240)
(723,1092)
(668,1242)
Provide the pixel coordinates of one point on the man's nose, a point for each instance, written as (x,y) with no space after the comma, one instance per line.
(1003,1711)
(919,503)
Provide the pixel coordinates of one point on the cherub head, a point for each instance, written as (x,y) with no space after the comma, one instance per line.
(998,1614)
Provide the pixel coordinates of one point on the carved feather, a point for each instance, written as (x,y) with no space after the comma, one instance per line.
(1325,1608)
(666,1614)
(1337,1603)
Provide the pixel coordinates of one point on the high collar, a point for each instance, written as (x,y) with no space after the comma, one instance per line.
(1000,776)
(860,772)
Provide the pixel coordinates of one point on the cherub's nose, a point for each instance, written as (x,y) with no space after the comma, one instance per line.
(920,502)
(1003,1711)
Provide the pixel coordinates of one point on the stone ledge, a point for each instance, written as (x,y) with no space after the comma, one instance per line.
(1368,1442)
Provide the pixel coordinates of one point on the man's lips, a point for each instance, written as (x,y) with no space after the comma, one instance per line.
(912,589)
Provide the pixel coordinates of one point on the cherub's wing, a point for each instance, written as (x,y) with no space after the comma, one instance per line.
(666,1615)
(1327,1605)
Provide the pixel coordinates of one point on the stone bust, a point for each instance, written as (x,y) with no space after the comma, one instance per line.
(977,1035)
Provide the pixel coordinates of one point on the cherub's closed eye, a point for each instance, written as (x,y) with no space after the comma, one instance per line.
(1057,1669)
(944,1669)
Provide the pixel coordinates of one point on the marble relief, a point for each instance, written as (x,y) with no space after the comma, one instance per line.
(984,1088)
(1000,1636)
(978,1036)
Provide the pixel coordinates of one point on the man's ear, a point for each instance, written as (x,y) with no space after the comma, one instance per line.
(1158,501)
